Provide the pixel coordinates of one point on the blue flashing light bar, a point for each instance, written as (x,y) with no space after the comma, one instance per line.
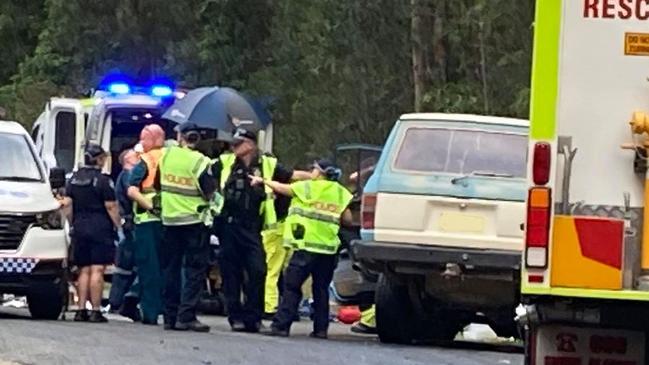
(161,91)
(119,88)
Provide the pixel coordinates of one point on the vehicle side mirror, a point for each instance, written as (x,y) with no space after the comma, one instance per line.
(57,178)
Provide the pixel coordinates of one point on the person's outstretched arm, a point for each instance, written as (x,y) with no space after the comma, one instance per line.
(279,188)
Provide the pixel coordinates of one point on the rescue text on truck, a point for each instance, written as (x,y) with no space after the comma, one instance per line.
(616,9)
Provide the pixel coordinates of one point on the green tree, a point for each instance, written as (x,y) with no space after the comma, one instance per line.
(20,24)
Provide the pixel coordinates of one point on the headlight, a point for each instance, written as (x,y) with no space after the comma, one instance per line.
(50,220)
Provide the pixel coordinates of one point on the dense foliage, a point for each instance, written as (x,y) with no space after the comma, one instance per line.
(337,71)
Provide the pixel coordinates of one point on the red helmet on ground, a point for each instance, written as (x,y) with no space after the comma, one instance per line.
(349,315)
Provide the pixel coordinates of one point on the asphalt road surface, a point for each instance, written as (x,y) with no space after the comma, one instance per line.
(25,341)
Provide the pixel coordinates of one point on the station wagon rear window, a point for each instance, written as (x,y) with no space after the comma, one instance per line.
(459,151)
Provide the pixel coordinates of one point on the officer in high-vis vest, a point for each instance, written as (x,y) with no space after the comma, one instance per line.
(148,228)
(311,228)
(185,186)
(247,210)
(276,256)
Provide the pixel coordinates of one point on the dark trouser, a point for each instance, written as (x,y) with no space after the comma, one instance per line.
(124,274)
(148,238)
(184,256)
(242,251)
(302,264)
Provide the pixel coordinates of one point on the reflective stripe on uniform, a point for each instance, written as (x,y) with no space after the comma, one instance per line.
(181,220)
(314,215)
(310,245)
(180,191)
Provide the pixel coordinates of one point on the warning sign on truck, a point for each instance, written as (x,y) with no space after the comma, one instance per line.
(636,44)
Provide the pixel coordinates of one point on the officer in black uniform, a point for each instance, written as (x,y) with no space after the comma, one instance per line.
(96,225)
(239,229)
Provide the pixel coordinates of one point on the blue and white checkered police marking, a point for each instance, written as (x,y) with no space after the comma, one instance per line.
(17,265)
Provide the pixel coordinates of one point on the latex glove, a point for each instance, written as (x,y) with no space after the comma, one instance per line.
(256,180)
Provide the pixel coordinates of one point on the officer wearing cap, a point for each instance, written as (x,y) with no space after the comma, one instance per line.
(184,186)
(247,210)
(95,221)
(317,207)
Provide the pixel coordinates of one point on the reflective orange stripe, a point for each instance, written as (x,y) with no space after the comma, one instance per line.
(151,159)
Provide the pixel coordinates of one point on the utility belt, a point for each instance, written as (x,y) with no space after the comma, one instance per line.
(251,224)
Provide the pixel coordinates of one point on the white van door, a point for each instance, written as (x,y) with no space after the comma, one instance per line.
(63,134)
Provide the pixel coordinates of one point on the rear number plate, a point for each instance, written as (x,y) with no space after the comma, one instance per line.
(460,222)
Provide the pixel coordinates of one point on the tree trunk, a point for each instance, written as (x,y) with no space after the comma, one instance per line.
(483,69)
(418,75)
(439,46)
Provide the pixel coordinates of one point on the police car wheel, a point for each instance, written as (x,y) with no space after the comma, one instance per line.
(46,304)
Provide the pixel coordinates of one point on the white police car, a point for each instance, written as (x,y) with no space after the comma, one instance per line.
(33,244)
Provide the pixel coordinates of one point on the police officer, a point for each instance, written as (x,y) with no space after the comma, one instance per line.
(276,255)
(95,220)
(185,186)
(246,211)
(148,227)
(317,207)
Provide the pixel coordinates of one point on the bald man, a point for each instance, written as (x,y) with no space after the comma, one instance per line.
(148,227)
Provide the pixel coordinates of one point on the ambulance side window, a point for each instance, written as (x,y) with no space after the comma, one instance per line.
(64,146)
(35,132)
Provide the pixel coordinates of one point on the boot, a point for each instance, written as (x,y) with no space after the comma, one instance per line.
(195,326)
(81,316)
(97,317)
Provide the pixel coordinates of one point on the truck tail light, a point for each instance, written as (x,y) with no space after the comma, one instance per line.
(368,208)
(541,163)
(538,227)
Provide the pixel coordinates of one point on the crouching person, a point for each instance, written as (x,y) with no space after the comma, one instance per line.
(311,228)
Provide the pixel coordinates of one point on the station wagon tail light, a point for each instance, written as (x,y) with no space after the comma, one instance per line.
(541,163)
(368,208)
(538,227)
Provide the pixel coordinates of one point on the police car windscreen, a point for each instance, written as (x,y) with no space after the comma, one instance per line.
(18,159)
(463,152)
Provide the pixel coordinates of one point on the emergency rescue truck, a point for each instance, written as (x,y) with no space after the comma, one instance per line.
(586,257)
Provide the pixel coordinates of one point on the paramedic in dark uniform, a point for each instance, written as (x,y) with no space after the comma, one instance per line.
(246,212)
(123,296)
(96,226)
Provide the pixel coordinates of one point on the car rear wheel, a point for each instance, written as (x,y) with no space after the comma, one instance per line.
(46,304)
(397,322)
